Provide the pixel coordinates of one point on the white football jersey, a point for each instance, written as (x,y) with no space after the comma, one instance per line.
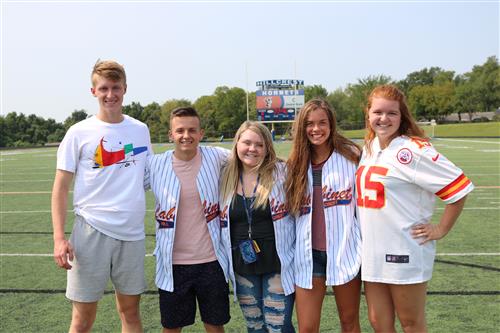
(396,189)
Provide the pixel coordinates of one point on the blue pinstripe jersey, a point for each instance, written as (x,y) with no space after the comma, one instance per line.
(284,230)
(343,237)
(165,185)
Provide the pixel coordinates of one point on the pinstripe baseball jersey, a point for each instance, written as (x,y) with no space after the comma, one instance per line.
(166,189)
(343,240)
(396,189)
(284,231)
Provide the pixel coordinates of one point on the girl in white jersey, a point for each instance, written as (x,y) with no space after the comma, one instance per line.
(399,175)
(258,234)
(320,194)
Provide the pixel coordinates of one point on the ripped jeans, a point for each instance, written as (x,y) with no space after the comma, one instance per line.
(264,304)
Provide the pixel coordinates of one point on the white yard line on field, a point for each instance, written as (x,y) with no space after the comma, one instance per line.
(39,255)
(35,168)
(475,141)
(28,211)
(46,152)
(27,181)
(469,254)
(474,208)
(466,254)
(32,192)
(25,173)
(36,192)
(152,210)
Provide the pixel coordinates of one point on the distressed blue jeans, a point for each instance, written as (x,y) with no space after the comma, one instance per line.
(264,304)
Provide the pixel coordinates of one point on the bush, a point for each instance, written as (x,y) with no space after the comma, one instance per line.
(480,120)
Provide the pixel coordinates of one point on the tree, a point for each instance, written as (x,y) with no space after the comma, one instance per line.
(15,130)
(338,99)
(423,77)
(357,97)
(479,89)
(76,116)
(167,108)
(205,105)
(315,91)
(134,110)
(19,130)
(151,117)
(432,101)
(230,106)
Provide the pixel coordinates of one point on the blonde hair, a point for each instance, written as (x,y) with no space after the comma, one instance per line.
(108,69)
(266,168)
(300,156)
(408,125)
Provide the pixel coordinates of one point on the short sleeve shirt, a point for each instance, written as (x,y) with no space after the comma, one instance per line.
(396,189)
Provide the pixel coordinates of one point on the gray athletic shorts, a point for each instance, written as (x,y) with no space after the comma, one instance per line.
(99,257)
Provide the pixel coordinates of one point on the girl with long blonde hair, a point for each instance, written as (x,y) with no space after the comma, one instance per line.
(258,234)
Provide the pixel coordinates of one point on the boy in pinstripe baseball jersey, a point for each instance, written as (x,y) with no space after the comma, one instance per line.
(190,264)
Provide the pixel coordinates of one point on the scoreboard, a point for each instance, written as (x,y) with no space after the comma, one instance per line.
(279,100)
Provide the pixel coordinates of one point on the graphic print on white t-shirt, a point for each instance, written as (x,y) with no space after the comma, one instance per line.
(108,153)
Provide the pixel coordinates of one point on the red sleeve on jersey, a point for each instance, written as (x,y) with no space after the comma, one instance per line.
(454,187)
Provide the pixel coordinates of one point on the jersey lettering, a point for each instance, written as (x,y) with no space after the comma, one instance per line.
(421,143)
(378,187)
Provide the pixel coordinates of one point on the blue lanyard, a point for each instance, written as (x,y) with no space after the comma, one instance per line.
(248,204)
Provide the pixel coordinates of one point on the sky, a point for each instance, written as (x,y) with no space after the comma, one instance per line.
(186,49)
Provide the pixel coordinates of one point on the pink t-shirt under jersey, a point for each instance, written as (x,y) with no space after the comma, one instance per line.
(192,243)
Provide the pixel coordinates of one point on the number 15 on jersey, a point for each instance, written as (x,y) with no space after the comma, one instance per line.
(364,173)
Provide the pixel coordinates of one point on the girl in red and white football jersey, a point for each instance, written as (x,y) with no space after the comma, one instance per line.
(399,176)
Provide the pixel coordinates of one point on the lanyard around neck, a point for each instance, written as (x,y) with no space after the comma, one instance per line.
(248,203)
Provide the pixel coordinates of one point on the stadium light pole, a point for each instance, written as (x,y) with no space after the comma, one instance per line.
(246,79)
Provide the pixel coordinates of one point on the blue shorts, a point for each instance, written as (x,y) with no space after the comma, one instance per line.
(319,263)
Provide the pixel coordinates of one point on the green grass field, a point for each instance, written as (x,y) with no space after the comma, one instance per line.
(489,129)
(464,294)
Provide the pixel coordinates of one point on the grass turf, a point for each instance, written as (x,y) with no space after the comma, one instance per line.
(489,129)
(463,294)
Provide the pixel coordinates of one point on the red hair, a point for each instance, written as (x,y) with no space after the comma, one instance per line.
(408,124)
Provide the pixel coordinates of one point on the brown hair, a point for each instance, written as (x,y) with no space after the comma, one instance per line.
(110,70)
(300,156)
(233,169)
(408,124)
(184,111)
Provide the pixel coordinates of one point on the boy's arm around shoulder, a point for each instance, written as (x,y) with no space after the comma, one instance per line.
(62,247)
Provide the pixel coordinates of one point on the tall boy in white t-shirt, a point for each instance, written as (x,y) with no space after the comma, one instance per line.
(106,154)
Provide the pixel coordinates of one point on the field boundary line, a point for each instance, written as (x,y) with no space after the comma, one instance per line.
(40,255)
(466,254)
(152,210)
(35,192)
(328,292)
(469,254)
(27,181)
(459,140)
(48,192)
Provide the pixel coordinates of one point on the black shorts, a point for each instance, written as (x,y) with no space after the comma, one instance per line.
(203,282)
